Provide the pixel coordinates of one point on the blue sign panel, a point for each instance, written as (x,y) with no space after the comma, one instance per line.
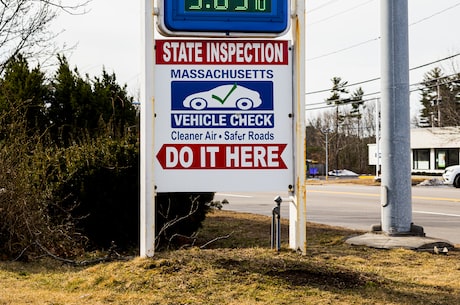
(222,95)
(245,16)
(222,104)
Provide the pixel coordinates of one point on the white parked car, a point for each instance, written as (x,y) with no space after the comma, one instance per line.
(342,173)
(451,175)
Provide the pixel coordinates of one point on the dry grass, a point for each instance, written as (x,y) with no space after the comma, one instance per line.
(243,270)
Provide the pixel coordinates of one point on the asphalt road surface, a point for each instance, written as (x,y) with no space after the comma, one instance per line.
(435,208)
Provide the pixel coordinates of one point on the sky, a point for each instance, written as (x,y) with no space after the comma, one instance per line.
(107,36)
(342,41)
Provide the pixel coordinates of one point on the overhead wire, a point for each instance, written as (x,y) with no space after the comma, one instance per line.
(344,49)
(340,13)
(435,14)
(321,6)
(347,101)
(378,78)
(366,42)
(377,38)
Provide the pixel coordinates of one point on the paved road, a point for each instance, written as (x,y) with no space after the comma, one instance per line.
(435,208)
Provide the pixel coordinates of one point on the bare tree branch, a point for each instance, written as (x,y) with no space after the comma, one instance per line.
(25,26)
(216,239)
(193,208)
(70,9)
(112,255)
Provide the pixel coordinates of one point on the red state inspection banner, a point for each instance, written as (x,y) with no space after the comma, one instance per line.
(222,52)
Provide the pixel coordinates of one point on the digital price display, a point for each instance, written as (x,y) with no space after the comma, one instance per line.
(225,16)
(253,6)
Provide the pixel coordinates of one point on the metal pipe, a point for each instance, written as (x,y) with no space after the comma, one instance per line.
(272,237)
(278,230)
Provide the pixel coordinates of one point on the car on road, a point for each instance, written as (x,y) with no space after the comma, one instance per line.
(342,173)
(451,176)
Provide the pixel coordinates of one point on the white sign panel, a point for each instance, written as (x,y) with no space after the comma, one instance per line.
(372,155)
(223,115)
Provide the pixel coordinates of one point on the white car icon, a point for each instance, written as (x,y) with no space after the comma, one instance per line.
(225,96)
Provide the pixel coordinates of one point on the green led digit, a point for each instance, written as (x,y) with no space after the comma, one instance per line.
(222,7)
(243,7)
(261,5)
(197,6)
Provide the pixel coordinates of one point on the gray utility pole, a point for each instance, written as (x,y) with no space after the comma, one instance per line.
(396,197)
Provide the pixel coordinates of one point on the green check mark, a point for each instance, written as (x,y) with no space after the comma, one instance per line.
(222,101)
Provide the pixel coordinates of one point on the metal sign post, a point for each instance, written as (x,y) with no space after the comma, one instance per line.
(298,206)
(147,195)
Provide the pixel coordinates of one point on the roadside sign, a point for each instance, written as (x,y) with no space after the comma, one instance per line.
(223,115)
(267,18)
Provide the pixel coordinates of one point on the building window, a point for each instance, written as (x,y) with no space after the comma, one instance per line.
(446,157)
(421,158)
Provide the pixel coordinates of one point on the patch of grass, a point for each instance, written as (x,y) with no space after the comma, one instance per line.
(241,269)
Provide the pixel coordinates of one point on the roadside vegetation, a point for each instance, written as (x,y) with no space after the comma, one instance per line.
(239,268)
(69,163)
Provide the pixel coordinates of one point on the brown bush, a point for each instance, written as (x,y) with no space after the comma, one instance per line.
(28,179)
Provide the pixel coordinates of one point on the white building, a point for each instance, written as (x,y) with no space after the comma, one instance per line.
(432,149)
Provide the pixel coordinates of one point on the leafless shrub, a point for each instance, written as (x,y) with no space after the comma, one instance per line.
(179,216)
(28,179)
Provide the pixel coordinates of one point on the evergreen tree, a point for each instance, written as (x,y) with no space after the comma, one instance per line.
(68,162)
(440,100)
(451,105)
(24,90)
(78,105)
(114,103)
(336,98)
(338,89)
(356,104)
(61,110)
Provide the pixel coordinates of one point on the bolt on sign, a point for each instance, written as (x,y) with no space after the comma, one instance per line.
(223,115)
